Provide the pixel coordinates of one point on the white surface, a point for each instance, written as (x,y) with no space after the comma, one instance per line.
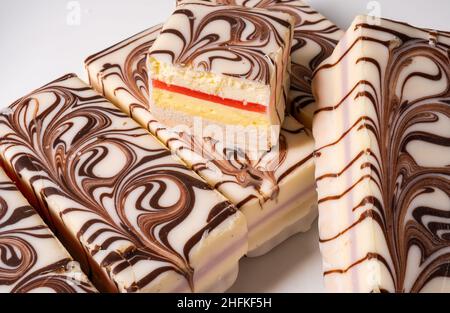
(41,40)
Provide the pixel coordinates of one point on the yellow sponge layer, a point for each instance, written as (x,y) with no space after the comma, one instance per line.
(210,83)
(206,109)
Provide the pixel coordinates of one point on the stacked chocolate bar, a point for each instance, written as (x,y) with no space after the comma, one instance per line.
(275,189)
(200,158)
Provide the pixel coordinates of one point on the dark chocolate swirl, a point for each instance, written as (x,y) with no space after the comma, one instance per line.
(53,277)
(82,148)
(25,265)
(245,41)
(241,169)
(406,121)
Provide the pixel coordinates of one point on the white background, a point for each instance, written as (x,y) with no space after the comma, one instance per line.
(41,40)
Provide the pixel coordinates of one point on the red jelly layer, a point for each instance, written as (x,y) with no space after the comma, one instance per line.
(249,106)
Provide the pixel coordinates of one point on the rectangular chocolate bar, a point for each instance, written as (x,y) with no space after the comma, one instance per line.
(222,69)
(131,213)
(31,258)
(314,40)
(276,191)
(382,132)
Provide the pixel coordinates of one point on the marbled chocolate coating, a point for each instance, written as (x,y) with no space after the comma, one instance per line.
(404,161)
(127,80)
(31,258)
(132,206)
(226,40)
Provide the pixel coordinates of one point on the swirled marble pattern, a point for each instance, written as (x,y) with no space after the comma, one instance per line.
(31,258)
(227,40)
(315,38)
(138,218)
(383,159)
(263,188)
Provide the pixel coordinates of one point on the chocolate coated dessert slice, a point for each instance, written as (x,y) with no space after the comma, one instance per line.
(382,133)
(276,191)
(31,258)
(134,216)
(222,70)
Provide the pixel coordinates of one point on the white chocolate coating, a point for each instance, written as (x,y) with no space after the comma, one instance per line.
(275,192)
(382,139)
(136,216)
(31,258)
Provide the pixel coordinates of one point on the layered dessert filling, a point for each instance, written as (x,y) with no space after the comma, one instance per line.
(382,139)
(207,106)
(275,191)
(224,65)
(136,218)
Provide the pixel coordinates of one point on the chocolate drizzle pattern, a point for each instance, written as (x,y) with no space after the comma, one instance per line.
(245,42)
(315,38)
(234,165)
(66,135)
(241,169)
(413,210)
(25,264)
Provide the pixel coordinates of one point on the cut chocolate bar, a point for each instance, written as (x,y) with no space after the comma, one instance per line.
(133,215)
(382,132)
(31,258)
(276,192)
(314,40)
(222,70)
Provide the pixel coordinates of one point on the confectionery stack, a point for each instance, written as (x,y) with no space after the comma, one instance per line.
(191,148)
(134,215)
(275,190)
